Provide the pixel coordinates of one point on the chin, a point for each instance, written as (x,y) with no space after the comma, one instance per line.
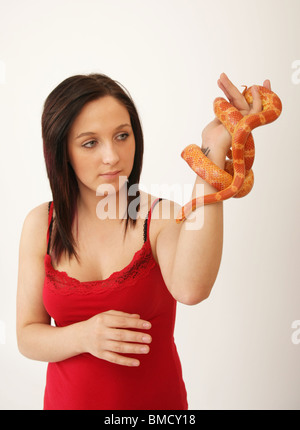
(111,186)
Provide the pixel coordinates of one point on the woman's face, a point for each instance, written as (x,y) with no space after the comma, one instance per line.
(101,144)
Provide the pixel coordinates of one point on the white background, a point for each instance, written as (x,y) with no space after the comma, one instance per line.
(236,348)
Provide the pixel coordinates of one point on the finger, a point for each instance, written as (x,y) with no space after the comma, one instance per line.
(221,86)
(256,104)
(267,84)
(128,336)
(113,357)
(120,313)
(127,348)
(234,96)
(121,321)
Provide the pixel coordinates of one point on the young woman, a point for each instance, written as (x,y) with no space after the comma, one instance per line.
(111,283)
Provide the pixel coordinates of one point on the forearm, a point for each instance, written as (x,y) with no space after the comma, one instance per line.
(199,250)
(44,342)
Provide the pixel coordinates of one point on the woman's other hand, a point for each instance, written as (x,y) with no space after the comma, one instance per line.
(110,334)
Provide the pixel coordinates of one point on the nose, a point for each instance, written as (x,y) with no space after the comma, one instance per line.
(109,154)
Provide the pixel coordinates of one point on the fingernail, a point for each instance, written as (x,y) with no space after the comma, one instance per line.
(147,325)
(146,339)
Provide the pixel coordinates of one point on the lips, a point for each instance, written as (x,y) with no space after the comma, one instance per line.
(114,173)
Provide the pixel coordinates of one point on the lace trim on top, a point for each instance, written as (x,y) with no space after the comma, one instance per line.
(139,267)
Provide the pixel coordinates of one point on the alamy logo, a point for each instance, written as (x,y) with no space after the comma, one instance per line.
(296,333)
(107,206)
(296,74)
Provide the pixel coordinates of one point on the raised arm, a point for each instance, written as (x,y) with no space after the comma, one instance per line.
(190,258)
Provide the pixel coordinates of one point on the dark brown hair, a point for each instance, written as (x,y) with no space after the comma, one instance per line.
(61,108)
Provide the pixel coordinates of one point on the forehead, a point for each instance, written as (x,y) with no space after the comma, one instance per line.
(103,114)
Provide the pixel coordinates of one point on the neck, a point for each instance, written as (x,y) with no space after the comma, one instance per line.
(103,206)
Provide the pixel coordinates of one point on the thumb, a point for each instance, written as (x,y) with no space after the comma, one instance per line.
(256,103)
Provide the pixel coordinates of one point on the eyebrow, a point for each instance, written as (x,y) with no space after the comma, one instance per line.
(90,133)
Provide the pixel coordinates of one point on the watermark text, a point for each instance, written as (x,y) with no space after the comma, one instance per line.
(113,204)
(296,334)
(296,74)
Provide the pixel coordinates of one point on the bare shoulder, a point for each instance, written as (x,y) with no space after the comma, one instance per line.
(34,232)
(163,220)
(164,211)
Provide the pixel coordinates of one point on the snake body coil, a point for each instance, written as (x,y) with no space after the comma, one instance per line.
(236,180)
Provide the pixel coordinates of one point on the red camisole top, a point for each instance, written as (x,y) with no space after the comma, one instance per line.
(85,382)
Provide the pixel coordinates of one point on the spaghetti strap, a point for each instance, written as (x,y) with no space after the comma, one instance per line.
(50,222)
(148,219)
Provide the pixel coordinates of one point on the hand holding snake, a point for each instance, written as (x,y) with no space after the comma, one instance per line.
(232,127)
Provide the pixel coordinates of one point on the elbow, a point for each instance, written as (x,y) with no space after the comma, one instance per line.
(22,348)
(21,345)
(19,340)
(22,351)
(193,299)
(193,296)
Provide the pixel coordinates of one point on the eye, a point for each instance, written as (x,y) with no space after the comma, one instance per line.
(122,136)
(90,144)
